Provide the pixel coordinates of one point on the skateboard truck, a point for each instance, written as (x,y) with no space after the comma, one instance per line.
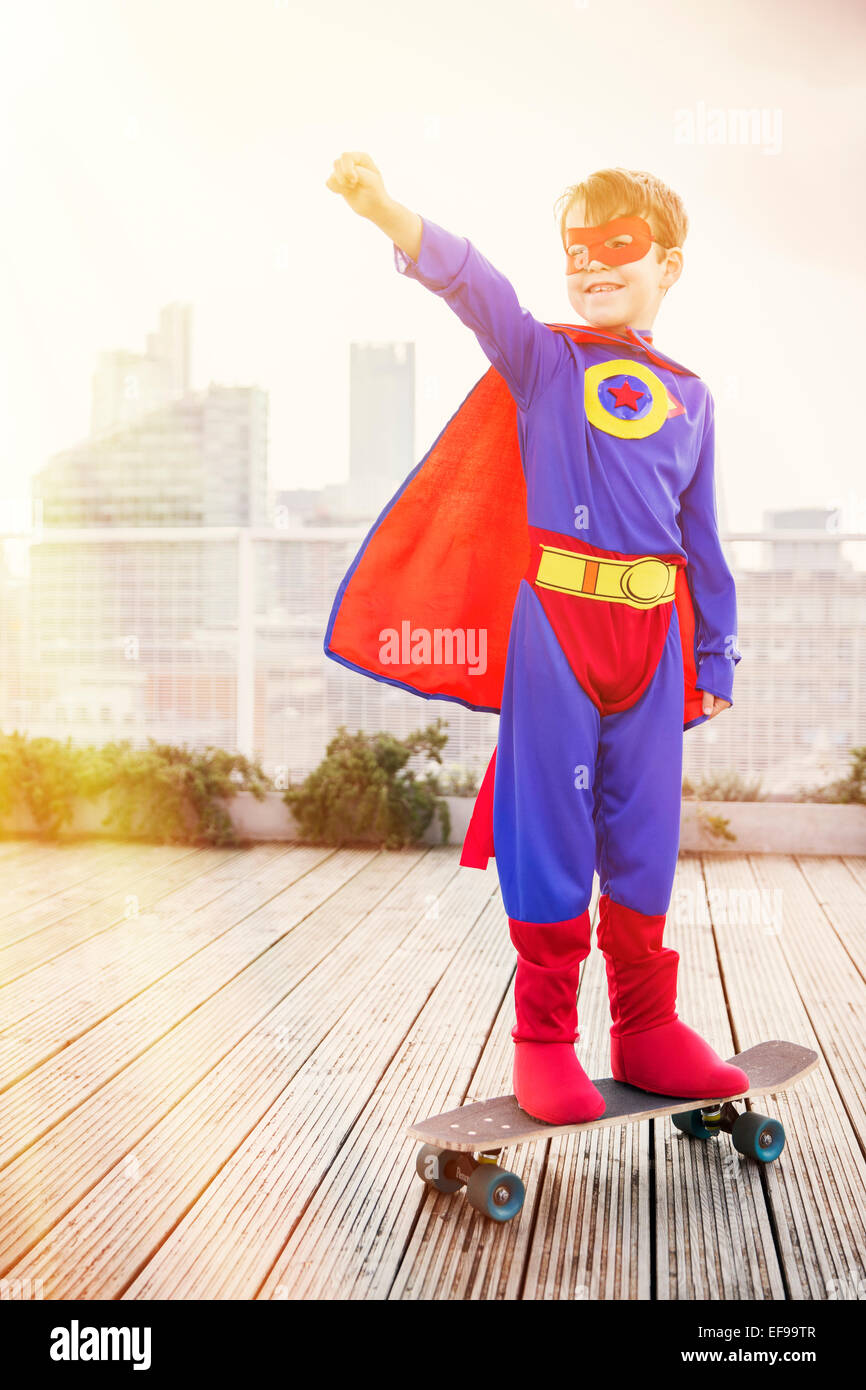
(753,1135)
(490,1189)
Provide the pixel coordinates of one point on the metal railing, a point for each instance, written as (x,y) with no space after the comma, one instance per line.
(214,636)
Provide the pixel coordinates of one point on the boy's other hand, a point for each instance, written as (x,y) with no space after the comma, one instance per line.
(713,705)
(356,177)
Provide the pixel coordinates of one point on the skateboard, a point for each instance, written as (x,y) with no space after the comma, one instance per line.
(461,1147)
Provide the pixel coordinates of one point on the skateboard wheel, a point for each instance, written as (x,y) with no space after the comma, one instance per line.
(757,1136)
(494,1192)
(692,1122)
(430,1166)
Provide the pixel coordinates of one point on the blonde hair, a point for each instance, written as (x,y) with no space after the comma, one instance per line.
(612,193)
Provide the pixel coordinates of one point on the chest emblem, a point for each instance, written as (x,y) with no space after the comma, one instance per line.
(626,399)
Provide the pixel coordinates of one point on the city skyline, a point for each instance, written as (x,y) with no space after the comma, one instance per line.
(161,599)
(143,185)
(134,393)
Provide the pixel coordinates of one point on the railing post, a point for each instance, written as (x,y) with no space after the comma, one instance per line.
(246,648)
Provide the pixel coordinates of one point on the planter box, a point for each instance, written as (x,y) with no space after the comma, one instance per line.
(253,820)
(86,819)
(776,827)
(271,819)
(760,827)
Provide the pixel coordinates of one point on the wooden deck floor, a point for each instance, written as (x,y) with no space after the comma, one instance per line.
(208,1057)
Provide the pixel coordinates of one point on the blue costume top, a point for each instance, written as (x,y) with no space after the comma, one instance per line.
(638,475)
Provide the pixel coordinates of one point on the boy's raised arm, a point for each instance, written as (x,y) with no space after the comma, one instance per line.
(525,351)
(403,226)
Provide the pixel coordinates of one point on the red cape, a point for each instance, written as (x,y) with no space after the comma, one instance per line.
(448,552)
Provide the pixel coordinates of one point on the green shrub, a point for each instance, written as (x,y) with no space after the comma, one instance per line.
(723,786)
(161,792)
(458,781)
(850,789)
(174,794)
(363,792)
(42,775)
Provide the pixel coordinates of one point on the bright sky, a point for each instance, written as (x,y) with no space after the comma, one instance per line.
(154,150)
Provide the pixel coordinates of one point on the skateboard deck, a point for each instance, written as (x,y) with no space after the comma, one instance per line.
(499,1122)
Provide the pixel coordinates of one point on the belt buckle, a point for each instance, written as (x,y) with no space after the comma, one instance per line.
(645,580)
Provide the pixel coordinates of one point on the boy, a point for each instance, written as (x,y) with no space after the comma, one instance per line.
(616,444)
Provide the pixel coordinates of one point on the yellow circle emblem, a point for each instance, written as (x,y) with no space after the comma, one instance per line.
(645,580)
(605,374)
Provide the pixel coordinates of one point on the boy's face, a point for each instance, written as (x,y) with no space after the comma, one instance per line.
(612,296)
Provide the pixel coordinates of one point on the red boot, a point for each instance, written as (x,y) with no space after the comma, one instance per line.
(549,1082)
(650,1046)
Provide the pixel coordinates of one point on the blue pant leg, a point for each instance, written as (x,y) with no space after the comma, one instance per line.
(548,742)
(639,789)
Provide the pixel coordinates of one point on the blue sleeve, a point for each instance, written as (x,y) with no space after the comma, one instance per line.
(523,350)
(710,580)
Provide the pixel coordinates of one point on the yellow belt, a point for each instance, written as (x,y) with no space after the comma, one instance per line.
(640,583)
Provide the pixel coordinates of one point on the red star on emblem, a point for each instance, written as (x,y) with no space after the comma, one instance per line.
(625,395)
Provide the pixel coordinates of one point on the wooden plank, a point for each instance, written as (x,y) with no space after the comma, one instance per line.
(280,941)
(819,941)
(297,1142)
(714,1238)
(842,898)
(224,1117)
(21,855)
(355,1223)
(358,1225)
(14,849)
(856,865)
(121,892)
(592,1218)
(437,1264)
(815,1189)
(51,1006)
(45,1096)
(237,1054)
(35,873)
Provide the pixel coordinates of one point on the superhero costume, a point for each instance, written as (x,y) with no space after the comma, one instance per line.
(567,513)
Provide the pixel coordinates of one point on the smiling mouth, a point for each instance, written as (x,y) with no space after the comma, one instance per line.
(603,289)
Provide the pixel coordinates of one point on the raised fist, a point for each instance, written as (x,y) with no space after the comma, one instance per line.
(356,177)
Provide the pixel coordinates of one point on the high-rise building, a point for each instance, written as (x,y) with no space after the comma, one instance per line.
(131,617)
(198,461)
(381,411)
(381,431)
(127,385)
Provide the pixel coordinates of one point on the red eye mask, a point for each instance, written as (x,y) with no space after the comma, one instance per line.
(616,242)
